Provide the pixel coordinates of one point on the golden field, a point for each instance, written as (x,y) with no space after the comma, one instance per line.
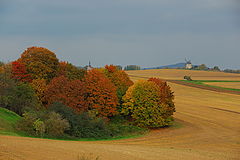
(208,129)
(177,74)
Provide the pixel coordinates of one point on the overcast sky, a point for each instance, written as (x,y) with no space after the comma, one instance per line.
(144,32)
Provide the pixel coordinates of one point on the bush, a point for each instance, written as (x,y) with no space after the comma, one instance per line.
(43,123)
(39,127)
(86,125)
(143,104)
(26,124)
(82,125)
(55,124)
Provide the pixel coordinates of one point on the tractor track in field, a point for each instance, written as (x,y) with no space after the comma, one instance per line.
(195,85)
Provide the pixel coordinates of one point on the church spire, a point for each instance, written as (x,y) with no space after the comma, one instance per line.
(89,64)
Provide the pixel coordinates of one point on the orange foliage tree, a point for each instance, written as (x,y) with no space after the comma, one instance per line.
(70,93)
(19,72)
(100,94)
(119,78)
(40,62)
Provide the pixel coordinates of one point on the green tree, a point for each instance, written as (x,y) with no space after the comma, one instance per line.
(216,68)
(17,97)
(202,67)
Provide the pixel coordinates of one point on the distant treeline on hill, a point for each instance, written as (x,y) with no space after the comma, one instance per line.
(132,67)
(231,71)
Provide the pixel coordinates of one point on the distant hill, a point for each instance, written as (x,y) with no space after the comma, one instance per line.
(171,66)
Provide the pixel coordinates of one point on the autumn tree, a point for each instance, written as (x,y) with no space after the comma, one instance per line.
(100,94)
(166,96)
(19,72)
(119,78)
(70,71)
(70,93)
(40,62)
(1,67)
(142,103)
(16,97)
(39,86)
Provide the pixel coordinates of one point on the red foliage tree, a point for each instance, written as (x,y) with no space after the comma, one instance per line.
(60,89)
(19,72)
(100,94)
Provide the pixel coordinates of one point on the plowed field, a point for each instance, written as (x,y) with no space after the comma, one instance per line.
(209,130)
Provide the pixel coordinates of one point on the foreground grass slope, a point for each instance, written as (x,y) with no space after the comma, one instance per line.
(8,121)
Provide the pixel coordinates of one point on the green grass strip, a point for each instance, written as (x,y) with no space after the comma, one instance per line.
(200,82)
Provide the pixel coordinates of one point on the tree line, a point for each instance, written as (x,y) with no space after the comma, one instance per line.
(56,98)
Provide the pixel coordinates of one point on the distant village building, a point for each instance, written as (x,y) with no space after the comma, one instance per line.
(188,65)
(89,67)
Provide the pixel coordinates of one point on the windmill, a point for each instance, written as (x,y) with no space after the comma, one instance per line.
(188,64)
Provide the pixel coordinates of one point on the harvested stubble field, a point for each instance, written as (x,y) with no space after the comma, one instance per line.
(208,129)
(177,74)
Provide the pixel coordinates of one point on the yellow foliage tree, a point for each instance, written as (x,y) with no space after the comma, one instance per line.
(143,104)
(39,85)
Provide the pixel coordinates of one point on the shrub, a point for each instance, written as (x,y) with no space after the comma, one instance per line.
(142,102)
(82,125)
(55,124)
(26,124)
(42,123)
(39,127)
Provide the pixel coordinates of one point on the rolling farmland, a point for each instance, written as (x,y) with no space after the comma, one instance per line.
(207,128)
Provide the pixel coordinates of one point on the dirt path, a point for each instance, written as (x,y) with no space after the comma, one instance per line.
(209,130)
